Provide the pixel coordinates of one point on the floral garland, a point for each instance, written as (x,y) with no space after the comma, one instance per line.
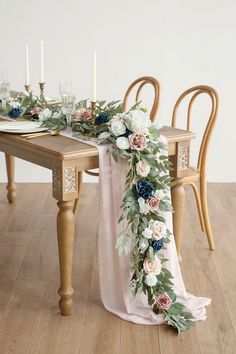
(131,136)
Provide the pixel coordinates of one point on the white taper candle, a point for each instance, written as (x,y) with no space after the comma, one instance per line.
(27,79)
(94,92)
(42,63)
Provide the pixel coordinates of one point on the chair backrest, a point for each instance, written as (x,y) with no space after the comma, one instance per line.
(192,94)
(141,82)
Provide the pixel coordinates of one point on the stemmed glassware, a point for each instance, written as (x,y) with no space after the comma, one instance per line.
(4,89)
(65,87)
(68,102)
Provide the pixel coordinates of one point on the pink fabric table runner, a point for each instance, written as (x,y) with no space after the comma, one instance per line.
(114,269)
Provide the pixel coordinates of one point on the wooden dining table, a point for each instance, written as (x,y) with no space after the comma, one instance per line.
(67,159)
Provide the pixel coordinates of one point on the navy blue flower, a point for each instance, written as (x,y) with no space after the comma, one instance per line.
(144,189)
(157,245)
(102,118)
(15,112)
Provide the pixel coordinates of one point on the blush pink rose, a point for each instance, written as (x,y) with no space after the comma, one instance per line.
(163,301)
(35,111)
(82,114)
(138,141)
(158,229)
(152,266)
(154,203)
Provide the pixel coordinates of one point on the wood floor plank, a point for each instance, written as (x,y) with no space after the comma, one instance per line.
(138,339)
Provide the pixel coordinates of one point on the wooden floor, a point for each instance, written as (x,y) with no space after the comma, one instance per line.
(29,318)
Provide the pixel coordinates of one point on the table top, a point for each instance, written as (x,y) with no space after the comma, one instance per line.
(66,148)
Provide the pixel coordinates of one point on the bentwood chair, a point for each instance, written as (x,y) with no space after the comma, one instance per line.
(141,82)
(197,174)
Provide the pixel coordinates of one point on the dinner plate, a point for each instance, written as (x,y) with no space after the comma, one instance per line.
(21,127)
(52,100)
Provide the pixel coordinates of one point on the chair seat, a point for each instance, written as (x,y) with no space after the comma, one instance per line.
(192,176)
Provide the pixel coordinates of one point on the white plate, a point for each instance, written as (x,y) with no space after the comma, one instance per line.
(21,127)
(52,100)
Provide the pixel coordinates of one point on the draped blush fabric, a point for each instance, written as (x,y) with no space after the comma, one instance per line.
(114,269)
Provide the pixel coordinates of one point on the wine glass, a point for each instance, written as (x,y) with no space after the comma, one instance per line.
(68,108)
(65,87)
(4,92)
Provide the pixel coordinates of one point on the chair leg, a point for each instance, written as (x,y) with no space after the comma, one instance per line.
(203,196)
(76,204)
(199,207)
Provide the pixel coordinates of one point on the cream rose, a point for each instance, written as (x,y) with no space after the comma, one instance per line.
(45,114)
(150,279)
(117,127)
(158,229)
(122,143)
(152,266)
(138,121)
(142,168)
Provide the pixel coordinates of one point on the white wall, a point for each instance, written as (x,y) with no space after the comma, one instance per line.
(181,42)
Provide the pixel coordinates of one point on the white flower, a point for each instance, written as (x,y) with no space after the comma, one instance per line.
(147,233)
(117,127)
(142,168)
(158,229)
(57,115)
(159,194)
(14,104)
(122,143)
(143,244)
(137,121)
(45,114)
(143,207)
(150,279)
(26,93)
(119,116)
(104,135)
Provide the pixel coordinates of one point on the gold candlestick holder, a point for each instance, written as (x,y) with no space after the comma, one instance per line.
(41,86)
(93,108)
(27,88)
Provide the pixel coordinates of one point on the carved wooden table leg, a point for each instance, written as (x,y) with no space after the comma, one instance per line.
(65,190)
(65,234)
(11,188)
(178,202)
